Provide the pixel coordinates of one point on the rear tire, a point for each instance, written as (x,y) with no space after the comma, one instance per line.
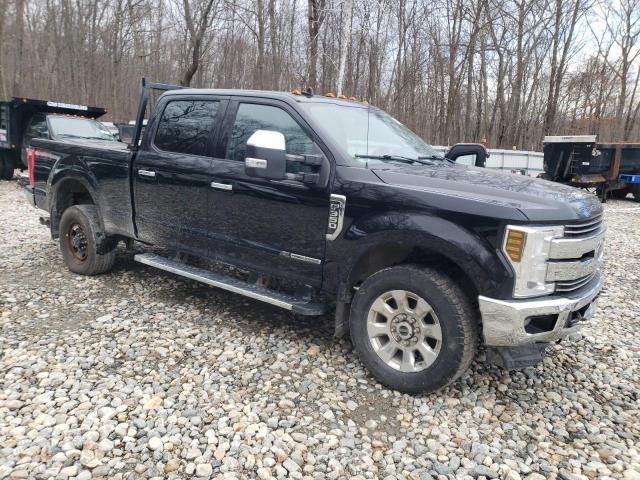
(413,328)
(85,247)
(8,168)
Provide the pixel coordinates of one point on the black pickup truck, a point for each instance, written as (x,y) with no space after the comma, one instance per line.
(326,205)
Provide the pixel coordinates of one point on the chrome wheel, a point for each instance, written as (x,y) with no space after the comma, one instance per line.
(404,331)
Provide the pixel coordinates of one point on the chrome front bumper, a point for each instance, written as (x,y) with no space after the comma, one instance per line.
(504,321)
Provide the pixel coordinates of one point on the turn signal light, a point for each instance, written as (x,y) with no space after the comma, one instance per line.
(515,244)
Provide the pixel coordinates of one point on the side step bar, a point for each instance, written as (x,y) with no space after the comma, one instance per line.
(283,300)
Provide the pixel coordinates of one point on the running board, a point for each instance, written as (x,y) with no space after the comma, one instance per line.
(279,299)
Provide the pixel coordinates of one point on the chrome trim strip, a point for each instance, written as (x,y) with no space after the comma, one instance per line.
(222,186)
(337,205)
(564,271)
(572,248)
(503,321)
(302,258)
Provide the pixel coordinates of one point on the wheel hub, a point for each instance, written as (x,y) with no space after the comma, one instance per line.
(77,242)
(405,329)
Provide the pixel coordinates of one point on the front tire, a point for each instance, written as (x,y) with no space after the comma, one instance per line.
(85,247)
(413,328)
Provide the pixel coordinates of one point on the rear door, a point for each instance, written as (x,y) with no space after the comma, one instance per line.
(276,227)
(171,174)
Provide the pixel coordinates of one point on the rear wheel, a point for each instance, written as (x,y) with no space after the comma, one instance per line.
(85,248)
(413,328)
(7,168)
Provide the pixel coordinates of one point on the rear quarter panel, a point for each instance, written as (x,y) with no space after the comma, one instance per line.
(102,170)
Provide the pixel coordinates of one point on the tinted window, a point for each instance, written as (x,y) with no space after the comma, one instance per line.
(186,126)
(252,117)
(37,128)
(78,127)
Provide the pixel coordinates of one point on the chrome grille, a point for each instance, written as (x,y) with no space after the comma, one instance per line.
(571,285)
(583,229)
(575,258)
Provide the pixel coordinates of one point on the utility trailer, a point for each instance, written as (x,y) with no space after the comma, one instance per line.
(16,114)
(611,169)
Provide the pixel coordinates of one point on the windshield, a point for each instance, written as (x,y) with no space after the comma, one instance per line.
(78,127)
(369,132)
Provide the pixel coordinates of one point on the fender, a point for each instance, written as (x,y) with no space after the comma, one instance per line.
(409,233)
(57,182)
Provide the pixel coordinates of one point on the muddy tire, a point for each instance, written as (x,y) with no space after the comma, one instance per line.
(85,248)
(413,328)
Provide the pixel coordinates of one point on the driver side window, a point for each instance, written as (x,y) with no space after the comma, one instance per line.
(252,117)
(37,127)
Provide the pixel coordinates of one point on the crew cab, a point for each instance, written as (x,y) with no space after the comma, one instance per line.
(331,206)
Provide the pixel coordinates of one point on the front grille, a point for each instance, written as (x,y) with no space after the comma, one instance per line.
(578,261)
(583,229)
(571,285)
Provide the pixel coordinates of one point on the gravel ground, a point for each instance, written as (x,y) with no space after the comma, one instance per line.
(139,374)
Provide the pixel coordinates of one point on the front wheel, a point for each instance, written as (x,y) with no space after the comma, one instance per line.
(85,248)
(413,328)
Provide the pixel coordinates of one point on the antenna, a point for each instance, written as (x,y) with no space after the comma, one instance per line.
(308,92)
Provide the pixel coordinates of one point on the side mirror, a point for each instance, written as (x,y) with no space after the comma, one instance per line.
(266,155)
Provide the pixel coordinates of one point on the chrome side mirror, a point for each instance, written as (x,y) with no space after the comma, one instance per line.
(266,155)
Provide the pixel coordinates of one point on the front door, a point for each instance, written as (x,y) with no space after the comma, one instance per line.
(276,227)
(172,175)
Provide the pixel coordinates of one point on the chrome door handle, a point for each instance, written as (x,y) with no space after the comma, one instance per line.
(222,186)
(147,173)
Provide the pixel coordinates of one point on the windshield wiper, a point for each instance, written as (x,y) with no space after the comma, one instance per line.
(397,158)
(435,157)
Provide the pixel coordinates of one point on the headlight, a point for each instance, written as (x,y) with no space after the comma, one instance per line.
(527,249)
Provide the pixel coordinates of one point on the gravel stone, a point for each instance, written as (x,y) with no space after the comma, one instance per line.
(139,374)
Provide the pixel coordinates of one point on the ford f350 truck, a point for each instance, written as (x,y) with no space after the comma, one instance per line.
(325,205)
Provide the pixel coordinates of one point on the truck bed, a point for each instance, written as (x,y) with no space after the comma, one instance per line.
(105,173)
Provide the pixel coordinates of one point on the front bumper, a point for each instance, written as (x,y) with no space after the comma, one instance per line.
(508,323)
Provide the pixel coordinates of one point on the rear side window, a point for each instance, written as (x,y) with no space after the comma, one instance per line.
(186,126)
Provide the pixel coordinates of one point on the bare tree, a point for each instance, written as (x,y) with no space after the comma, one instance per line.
(197,17)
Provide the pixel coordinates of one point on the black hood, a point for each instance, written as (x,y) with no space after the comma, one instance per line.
(538,200)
